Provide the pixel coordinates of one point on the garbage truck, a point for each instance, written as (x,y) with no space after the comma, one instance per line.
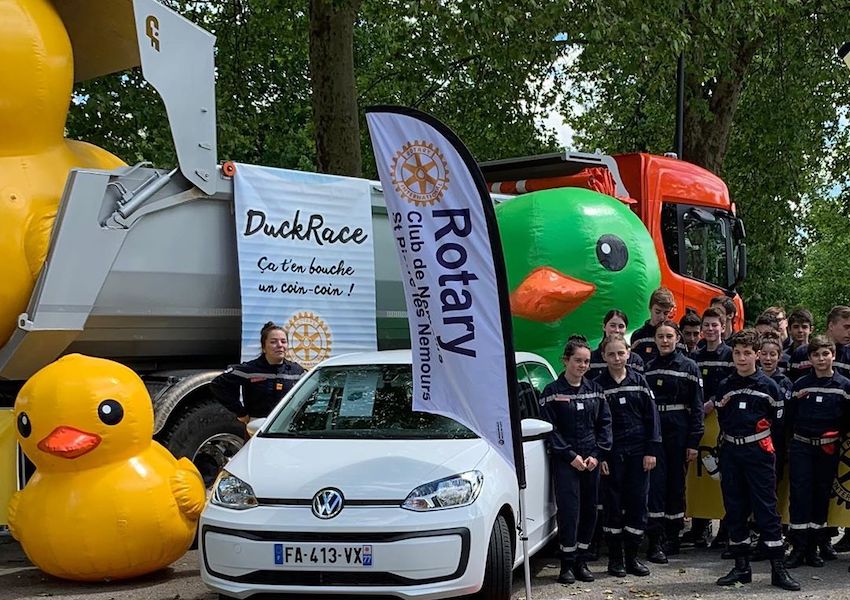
(111,284)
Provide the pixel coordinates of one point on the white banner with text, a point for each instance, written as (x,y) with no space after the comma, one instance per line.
(306,261)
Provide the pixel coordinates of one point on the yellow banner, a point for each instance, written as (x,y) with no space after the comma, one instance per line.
(705,501)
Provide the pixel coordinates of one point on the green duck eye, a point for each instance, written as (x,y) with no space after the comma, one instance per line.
(612,252)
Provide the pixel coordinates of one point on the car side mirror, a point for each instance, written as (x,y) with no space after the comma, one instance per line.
(534,428)
(254,426)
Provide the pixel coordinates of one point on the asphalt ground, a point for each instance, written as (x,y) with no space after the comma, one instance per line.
(689,576)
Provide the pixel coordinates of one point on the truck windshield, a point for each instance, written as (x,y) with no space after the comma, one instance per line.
(705,249)
(360,401)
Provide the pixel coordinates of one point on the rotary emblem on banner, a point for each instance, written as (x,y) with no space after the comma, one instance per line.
(420,173)
(309,339)
(841,485)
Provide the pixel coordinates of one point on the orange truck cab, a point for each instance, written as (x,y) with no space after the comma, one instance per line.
(699,240)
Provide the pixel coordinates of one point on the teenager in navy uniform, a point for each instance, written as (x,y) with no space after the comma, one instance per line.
(817,419)
(637,442)
(837,330)
(727,305)
(580,438)
(675,381)
(800,323)
(615,322)
(714,360)
(661,306)
(691,329)
(264,381)
(769,357)
(778,313)
(749,404)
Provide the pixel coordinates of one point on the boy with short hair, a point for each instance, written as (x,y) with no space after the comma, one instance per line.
(661,306)
(731,311)
(778,313)
(800,323)
(690,326)
(838,331)
(750,402)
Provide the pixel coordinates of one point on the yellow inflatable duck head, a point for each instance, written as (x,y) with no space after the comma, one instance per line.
(82,412)
(36,81)
(39,73)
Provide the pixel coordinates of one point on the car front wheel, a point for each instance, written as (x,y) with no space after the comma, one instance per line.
(498,571)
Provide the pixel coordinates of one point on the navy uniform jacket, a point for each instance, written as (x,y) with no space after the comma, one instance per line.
(675,380)
(800,365)
(643,342)
(819,404)
(744,401)
(580,418)
(599,366)
(714,367)
(263,386)
(634,417)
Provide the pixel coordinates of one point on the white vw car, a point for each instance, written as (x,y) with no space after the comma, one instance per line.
(345,490)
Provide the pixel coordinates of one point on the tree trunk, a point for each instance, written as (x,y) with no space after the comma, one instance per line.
(707,132)
(334,92)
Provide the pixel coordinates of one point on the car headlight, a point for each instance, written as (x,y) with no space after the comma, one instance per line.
(231,492)
(451,492)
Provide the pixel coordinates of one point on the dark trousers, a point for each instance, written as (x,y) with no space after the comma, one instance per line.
(626,497)
(812,472)
(748,484)
(576,494)
(667,480)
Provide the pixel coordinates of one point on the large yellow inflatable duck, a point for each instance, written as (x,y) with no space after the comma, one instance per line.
(36,80)
(106,502)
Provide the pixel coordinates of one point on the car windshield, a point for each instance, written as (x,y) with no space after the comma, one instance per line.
(360,401)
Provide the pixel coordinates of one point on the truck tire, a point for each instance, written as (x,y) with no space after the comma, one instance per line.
(206,433)
(498,572)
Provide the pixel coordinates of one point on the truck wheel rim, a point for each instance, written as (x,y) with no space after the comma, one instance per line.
(213,454)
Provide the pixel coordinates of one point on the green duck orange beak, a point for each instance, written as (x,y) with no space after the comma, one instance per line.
(67,442)
(548,295)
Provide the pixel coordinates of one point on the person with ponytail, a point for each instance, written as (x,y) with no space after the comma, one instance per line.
(580,439)
(264,381)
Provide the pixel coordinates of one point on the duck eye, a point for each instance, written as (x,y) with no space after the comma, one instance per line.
(110,412)
(24,425)
(612,252)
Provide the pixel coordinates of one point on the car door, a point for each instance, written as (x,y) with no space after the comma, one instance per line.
(532,377)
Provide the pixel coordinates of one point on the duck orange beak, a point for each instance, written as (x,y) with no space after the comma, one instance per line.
(68,442)
(547,295)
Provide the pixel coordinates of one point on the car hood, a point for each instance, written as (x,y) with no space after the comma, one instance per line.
(362,469)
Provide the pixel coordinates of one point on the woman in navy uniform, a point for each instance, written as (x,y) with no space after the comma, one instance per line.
(615,322)
(749,403)
(580,438)
(637,441)
(264,381)
(675,381)
(817,418)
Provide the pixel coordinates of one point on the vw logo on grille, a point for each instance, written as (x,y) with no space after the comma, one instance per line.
(327,503)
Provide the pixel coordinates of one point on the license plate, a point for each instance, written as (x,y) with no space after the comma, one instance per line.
(323,555)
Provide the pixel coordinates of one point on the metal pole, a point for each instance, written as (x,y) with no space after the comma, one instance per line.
(523,536)
(680,106)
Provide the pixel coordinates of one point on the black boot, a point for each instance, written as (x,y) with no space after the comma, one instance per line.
(699,534)
(813,559)
(566,574)
(582,573)
(827,552)
(796,557)
(633,565)
(780,577)
(740,573)
(616,566)
(654,552)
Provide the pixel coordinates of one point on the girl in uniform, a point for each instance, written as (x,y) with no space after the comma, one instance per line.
(636,443)
(675,381)
(580,438)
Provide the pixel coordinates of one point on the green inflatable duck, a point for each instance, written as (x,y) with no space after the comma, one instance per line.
(571,256)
